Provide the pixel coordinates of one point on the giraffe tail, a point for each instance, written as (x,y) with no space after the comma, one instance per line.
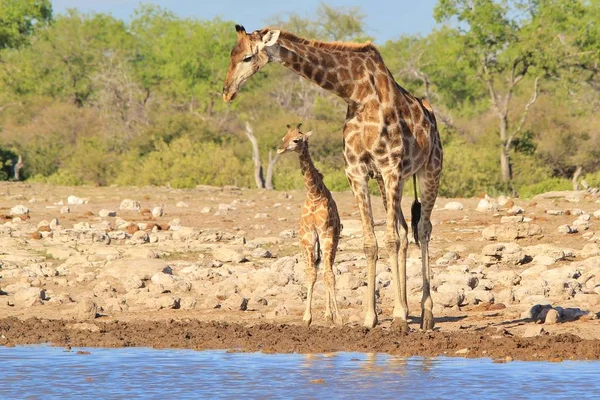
(415,213)
(317,250)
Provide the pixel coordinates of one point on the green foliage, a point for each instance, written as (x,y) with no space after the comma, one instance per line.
(20,18)
(469,170)
(547,185)
(184,163)
(90,99)
(7,158)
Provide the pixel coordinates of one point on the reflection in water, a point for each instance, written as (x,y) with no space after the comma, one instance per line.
(50,372)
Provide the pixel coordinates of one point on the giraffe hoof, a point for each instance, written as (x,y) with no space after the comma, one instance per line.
(427,321)
(307,320)
(370,321)
(339,321)
(400,325)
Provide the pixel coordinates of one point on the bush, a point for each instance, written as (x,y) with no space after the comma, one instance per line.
(547,185)
(186,164)
(7,158)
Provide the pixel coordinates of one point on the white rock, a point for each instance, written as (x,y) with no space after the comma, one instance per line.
(226,207)
(142,268)
(532,331)
(74,200)
(511,218)
(131,205)
(65,210)
(86,309)
(206,210)
(555,212)
(502,200)
(514,210)
(487,204)
(454,206)
(228,254)
(140,237)
(107,213)
(54,224)
(262,216)
(28,297)
(19,210)
(261,253)
(181,204)
(590,250)
(552,317)
(43,223)
(235,302)
(157,211)
(566,229)
(597,214)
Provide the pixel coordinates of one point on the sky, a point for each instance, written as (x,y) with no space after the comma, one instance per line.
(384,19)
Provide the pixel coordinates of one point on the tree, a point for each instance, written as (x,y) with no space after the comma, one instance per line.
(20,18)
(511,42)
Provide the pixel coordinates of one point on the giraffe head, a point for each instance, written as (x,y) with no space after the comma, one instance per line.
(294,140)
(247,56)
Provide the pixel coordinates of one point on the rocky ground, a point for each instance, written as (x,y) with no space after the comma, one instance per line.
(220,268)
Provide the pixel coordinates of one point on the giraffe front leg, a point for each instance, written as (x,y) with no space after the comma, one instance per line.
(358,179)
(311,277)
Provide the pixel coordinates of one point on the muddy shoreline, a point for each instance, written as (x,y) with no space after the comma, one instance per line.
(497,344)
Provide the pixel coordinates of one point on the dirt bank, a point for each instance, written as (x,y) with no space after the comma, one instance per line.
(497,344)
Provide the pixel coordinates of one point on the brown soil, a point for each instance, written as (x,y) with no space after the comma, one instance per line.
(497,344)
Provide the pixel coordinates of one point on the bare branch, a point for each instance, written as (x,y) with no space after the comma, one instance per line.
(525,113)
(272,161)
(258,173)
(490,84)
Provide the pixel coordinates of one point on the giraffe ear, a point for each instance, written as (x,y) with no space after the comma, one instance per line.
(268,39)
(307,134)
(289,127)
(241,31)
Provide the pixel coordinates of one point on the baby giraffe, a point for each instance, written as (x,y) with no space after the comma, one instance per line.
(319,227)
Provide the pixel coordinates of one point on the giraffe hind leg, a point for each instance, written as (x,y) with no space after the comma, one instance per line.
(308,250)
(428,184)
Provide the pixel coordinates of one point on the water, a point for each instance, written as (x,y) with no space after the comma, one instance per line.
(46,372)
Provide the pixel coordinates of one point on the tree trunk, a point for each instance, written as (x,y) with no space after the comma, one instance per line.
(18,167)
(504,155)
(258,171)
(272,161)
(576,176)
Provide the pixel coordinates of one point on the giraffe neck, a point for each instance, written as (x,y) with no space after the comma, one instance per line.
(311,176)
(345,70)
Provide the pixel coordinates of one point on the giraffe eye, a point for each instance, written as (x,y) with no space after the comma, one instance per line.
(247,58)
(298,140)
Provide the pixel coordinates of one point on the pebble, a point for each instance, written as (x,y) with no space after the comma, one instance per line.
(74,200)
(19,210)
(157,211)
(131,205)
(454,206)
(107,213)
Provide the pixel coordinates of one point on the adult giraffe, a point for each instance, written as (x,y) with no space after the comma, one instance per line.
(389,135)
